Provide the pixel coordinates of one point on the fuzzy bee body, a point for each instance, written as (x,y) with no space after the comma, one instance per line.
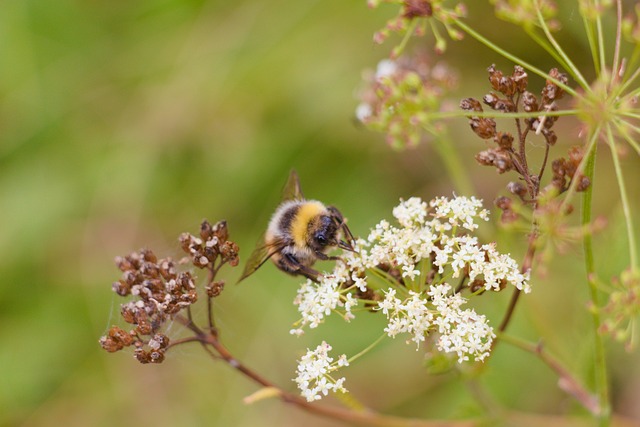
(299,233)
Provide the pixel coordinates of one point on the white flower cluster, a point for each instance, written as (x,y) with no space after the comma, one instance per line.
(410,316)
(418,238)
(463,332)
(427,239)
(317,300)
(460,211)
(430,239)
(314,369)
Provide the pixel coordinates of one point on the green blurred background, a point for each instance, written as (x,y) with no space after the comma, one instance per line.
(123,124)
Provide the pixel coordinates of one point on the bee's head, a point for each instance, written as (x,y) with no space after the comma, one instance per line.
(324,233)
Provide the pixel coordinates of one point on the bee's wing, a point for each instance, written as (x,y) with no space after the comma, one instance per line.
(259,256)
(292,189)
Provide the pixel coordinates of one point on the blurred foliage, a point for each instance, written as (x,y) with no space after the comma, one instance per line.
(126,123)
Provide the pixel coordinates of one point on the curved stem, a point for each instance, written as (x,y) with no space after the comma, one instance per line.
(366,350)
(361,418)
(567,381)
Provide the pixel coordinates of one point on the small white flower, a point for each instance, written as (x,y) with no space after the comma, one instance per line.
(410,316)
(463,332)
(316,301)
(313,373)
(460,211)
(363,111)
(386,68)
(499,268)
(411,212)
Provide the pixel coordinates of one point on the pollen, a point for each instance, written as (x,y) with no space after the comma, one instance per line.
(300,224)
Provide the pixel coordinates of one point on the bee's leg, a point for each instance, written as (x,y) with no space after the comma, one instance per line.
(348,234)
(324,257)
(291,265)
(339,219)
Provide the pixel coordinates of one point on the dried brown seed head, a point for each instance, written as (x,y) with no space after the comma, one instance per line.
(417,9)
(471,104)
(485,128)
(517,188)
(121,288)
(520,78)
(529,102)
(503,203)
(215,288)
(504,140)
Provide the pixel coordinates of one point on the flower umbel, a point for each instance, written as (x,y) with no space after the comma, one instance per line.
(161,293)
(401,95)
(415,262)
(314,373)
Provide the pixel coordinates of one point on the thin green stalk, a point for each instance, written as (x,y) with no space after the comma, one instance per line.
(629,114)
(499,115)
(550,50)
(616,53)
(571,66)
(600,365)
(623,131)
(366,350)
(464,27)
(622,87)
(631,64)
(626,207)
(455,169)
(603,64)
(412,28)
(593,47)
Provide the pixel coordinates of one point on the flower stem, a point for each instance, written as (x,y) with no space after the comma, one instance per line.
(623,130)
(565,59)
(603,64)
(366,350)
(593,47)
(526,266)
(602,387)
(353,417)
(633,255)
(567,381)
(514,58)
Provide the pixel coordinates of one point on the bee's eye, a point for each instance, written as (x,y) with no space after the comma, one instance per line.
(321,240)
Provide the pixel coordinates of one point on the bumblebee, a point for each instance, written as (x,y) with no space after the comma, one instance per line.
(300,232)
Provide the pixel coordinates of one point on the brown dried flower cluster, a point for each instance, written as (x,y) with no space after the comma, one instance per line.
(511,94)
(212,243)
(509,150)
(160,292)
